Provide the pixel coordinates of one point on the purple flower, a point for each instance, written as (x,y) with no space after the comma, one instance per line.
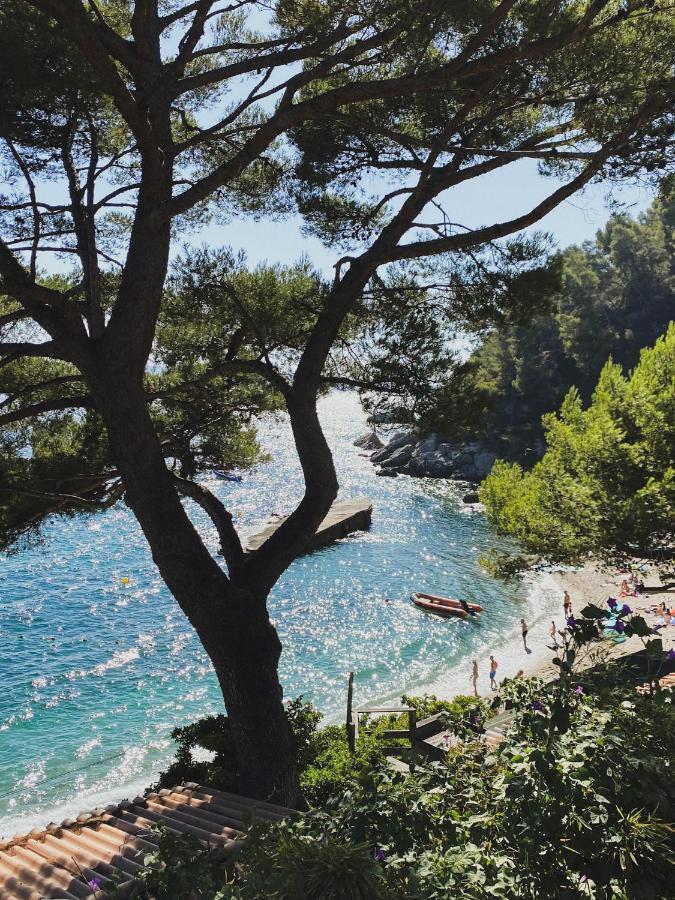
(671,653)
(94,884)
(619,626)
(571,622)
(379,854)
(579,690)
(536,706)
(658,628)
(626,610)
(611,602)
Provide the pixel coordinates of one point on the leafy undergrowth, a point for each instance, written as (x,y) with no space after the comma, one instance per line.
(578,801)
(326,766)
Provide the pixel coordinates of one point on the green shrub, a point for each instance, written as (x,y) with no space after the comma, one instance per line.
(462,715)
(334,769)
(211,733)
(181,867)
(298,867)
(325,765)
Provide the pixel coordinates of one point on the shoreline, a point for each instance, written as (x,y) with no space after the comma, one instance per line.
(595,583)
(589,583)
(542,603)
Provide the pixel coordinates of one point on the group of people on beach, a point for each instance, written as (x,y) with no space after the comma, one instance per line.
(494,665)
(524,629)
(630,587)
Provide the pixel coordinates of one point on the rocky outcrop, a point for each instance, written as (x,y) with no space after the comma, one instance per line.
(433,457)
(369,441)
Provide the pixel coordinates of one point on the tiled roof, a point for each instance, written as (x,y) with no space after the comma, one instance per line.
(57,861)
(666,683)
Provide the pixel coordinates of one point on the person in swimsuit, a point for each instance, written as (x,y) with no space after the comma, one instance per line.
(567,604)
(523,630)
(493,673)
(554,634)
(474,677)
(626,591)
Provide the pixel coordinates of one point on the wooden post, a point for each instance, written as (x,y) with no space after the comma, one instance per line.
(412,726)
(351,730)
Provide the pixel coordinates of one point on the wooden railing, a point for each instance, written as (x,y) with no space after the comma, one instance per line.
(415,733)
(391,733)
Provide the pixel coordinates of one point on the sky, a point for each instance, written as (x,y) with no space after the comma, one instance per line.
(495,197)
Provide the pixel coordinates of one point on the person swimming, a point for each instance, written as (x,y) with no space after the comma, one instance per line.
(467,609)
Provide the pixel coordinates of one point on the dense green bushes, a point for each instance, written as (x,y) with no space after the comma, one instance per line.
(617,296)
(577,802)
(326,767)
(606,484)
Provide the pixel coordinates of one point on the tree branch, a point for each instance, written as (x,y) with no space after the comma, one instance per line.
(479,236)
(39,386)
(81,401)
(221,518)
(85,228)
(32,193)
(99,43)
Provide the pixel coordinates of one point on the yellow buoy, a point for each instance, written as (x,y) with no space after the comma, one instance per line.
(124,580)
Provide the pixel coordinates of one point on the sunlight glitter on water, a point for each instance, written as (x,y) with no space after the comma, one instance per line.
(92,662)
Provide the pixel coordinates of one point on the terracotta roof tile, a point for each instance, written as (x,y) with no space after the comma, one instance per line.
(55,862)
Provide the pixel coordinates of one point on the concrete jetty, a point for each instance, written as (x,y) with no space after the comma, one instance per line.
(343,518)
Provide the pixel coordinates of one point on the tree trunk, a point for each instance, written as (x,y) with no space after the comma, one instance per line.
(246,662)
(231,622)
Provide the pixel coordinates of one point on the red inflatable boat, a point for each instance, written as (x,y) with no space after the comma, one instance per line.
(443,606)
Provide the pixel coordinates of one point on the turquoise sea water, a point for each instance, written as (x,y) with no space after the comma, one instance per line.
(96,672)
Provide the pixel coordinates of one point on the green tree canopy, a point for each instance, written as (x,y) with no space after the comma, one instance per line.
(127,125)
(616,295)
(606,484)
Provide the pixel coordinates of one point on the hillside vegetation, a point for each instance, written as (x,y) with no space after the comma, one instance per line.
(606,484)
(617,296)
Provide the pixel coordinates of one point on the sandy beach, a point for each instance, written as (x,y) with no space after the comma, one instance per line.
(594,583)
(591,583)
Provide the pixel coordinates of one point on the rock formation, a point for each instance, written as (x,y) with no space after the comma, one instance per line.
(431,457)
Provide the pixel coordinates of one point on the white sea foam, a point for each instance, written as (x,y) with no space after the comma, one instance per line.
(86,748)
(118,659)
(543,605)
(83,802)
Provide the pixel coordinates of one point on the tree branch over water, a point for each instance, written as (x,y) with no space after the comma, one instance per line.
(361,118)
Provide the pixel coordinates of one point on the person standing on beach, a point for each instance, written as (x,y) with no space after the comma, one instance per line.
(524,629)
(554,635)
(474,677)
(567,604)
(493,673)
